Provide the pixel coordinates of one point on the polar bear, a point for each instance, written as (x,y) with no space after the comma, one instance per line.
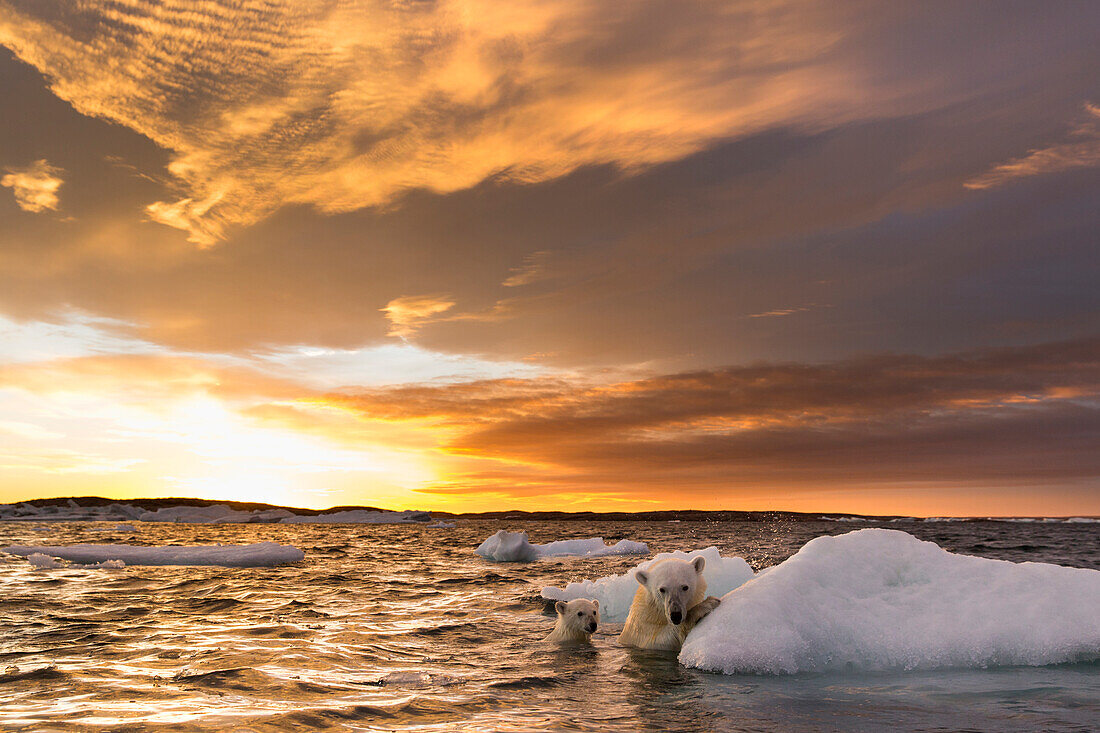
(577,620)
(671,600)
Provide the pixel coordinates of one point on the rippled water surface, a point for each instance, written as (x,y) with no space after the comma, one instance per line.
(404,627)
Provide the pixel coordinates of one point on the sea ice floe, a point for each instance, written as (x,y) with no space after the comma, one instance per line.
(880,599)
(507,546)
(361,516)
(616,592)
(260,554)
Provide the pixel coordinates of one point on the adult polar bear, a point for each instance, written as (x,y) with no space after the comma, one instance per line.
(671,600)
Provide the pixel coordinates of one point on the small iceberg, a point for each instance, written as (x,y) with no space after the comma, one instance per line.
(507,546)
(616,592)
(42,562)
(261,554)
(881,599)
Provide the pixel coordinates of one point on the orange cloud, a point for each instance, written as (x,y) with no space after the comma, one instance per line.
(35,186)
(1083,151)
(986,418)
(349,105)
(407,313)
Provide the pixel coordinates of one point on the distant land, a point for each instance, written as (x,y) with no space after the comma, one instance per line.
(686,515)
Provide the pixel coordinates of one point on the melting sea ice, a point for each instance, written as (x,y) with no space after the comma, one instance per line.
(401,627)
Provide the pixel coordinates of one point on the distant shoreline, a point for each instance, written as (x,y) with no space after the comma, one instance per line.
(686,515)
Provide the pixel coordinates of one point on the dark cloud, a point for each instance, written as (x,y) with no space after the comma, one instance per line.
(1017,416)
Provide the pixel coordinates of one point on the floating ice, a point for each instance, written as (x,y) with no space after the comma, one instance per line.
(880,599)
(361,516)
(616,592)
(442,525)
(107,564)
(261,554)
(507,546)
(42,562)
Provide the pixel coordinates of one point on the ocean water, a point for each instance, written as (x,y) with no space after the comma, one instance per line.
(402,627)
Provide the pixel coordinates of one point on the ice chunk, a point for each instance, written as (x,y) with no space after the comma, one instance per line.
(42,562)
(107,564)
(616,592)
(362,516)
(881,599)
(507,546)
(442,525)
(261,554)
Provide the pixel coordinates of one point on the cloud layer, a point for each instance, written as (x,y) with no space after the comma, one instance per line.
(1081,151)
(1011,417)
(35,187)
(348,105)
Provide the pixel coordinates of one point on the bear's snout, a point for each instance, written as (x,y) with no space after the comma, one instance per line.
(676,617)
(591,627)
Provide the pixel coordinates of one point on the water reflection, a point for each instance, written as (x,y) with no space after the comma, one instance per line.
(391,628)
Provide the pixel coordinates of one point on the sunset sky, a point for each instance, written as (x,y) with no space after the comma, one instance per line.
(555,254)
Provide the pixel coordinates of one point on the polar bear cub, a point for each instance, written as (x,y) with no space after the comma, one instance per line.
(577,620)
(671,600)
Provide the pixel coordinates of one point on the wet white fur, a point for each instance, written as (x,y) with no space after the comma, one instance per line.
(649,624)
(572,628)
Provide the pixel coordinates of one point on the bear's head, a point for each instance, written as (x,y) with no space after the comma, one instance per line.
(672,584)
(579,614)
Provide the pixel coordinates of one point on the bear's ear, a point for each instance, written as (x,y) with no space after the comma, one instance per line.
(699,563)
(595,603)
(559,607)
(641,577)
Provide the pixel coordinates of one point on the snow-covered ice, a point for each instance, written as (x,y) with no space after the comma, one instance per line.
(507,546)
(616,592)
(880,599)
(261,554)
(442,525)
(42,562)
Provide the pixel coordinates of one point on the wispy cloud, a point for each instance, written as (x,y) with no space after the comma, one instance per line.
(348,105)
(780,312)
(1081,151)
(408,313)
(532,270)
(35,186)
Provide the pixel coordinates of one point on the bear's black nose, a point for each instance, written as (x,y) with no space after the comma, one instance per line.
(592,627)
(676,617)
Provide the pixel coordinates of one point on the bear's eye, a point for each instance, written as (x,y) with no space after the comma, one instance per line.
(663,590)
(580,613)
(684,588)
